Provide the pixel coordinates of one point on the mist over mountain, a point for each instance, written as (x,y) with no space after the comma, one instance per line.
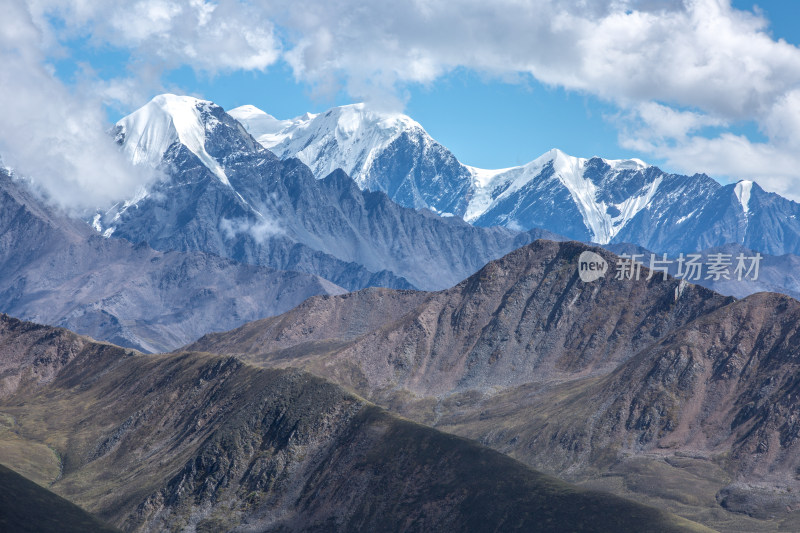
(58,270)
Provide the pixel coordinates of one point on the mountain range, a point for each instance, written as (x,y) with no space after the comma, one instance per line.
(206,443)
(658,390)
(591,200)
(225,194)
(224,201)
(366,274)
(57,270)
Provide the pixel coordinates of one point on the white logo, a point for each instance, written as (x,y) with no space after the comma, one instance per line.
(591,266)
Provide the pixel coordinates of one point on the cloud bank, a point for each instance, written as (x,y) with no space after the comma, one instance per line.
(49,134)
(56,135)
(673,68)
(683,74)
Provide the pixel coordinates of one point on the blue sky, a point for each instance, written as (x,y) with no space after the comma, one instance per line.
(694,86)
(485,121)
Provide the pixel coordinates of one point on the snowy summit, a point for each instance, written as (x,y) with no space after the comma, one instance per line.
(393,153)
(147,133)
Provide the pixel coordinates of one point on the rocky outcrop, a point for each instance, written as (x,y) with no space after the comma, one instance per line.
(646,381)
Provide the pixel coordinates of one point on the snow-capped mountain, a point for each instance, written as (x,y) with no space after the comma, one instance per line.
(387,152)
(147,133)
(588,199)
(348,137)
(226,194)
(603,195)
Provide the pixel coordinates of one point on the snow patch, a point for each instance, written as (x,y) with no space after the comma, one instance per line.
(680,288)
(484,182)
(167,118)
(96,223)
(742,191)
(492,186)
(265,128)
(685,218)
(603,226)
(349,137)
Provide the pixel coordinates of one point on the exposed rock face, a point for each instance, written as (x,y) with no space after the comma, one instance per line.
(579,379)
(722,384)
(57,270)
(207,443)
(524,318)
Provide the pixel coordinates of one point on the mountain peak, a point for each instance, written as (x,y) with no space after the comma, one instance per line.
(260,123)
(147,133)
(357,119)
(347,137)
(587,187)
(555,154)
(589,199)
(248,109)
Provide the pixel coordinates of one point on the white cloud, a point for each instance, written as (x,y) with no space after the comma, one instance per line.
(656,121)
(212,36)
(52,135)
(682,73)
(774,165)
(698,53)
(675,137)
(56,135)
(260,230)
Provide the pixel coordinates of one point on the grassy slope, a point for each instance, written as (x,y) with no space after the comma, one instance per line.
(196,440)
(635,427)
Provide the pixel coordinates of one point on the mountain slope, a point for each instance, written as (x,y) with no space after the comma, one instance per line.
(57,270)
(523,318)
(702,421)
(274,213)
(598,200)
(268,450)
(623,384)
(381,151)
